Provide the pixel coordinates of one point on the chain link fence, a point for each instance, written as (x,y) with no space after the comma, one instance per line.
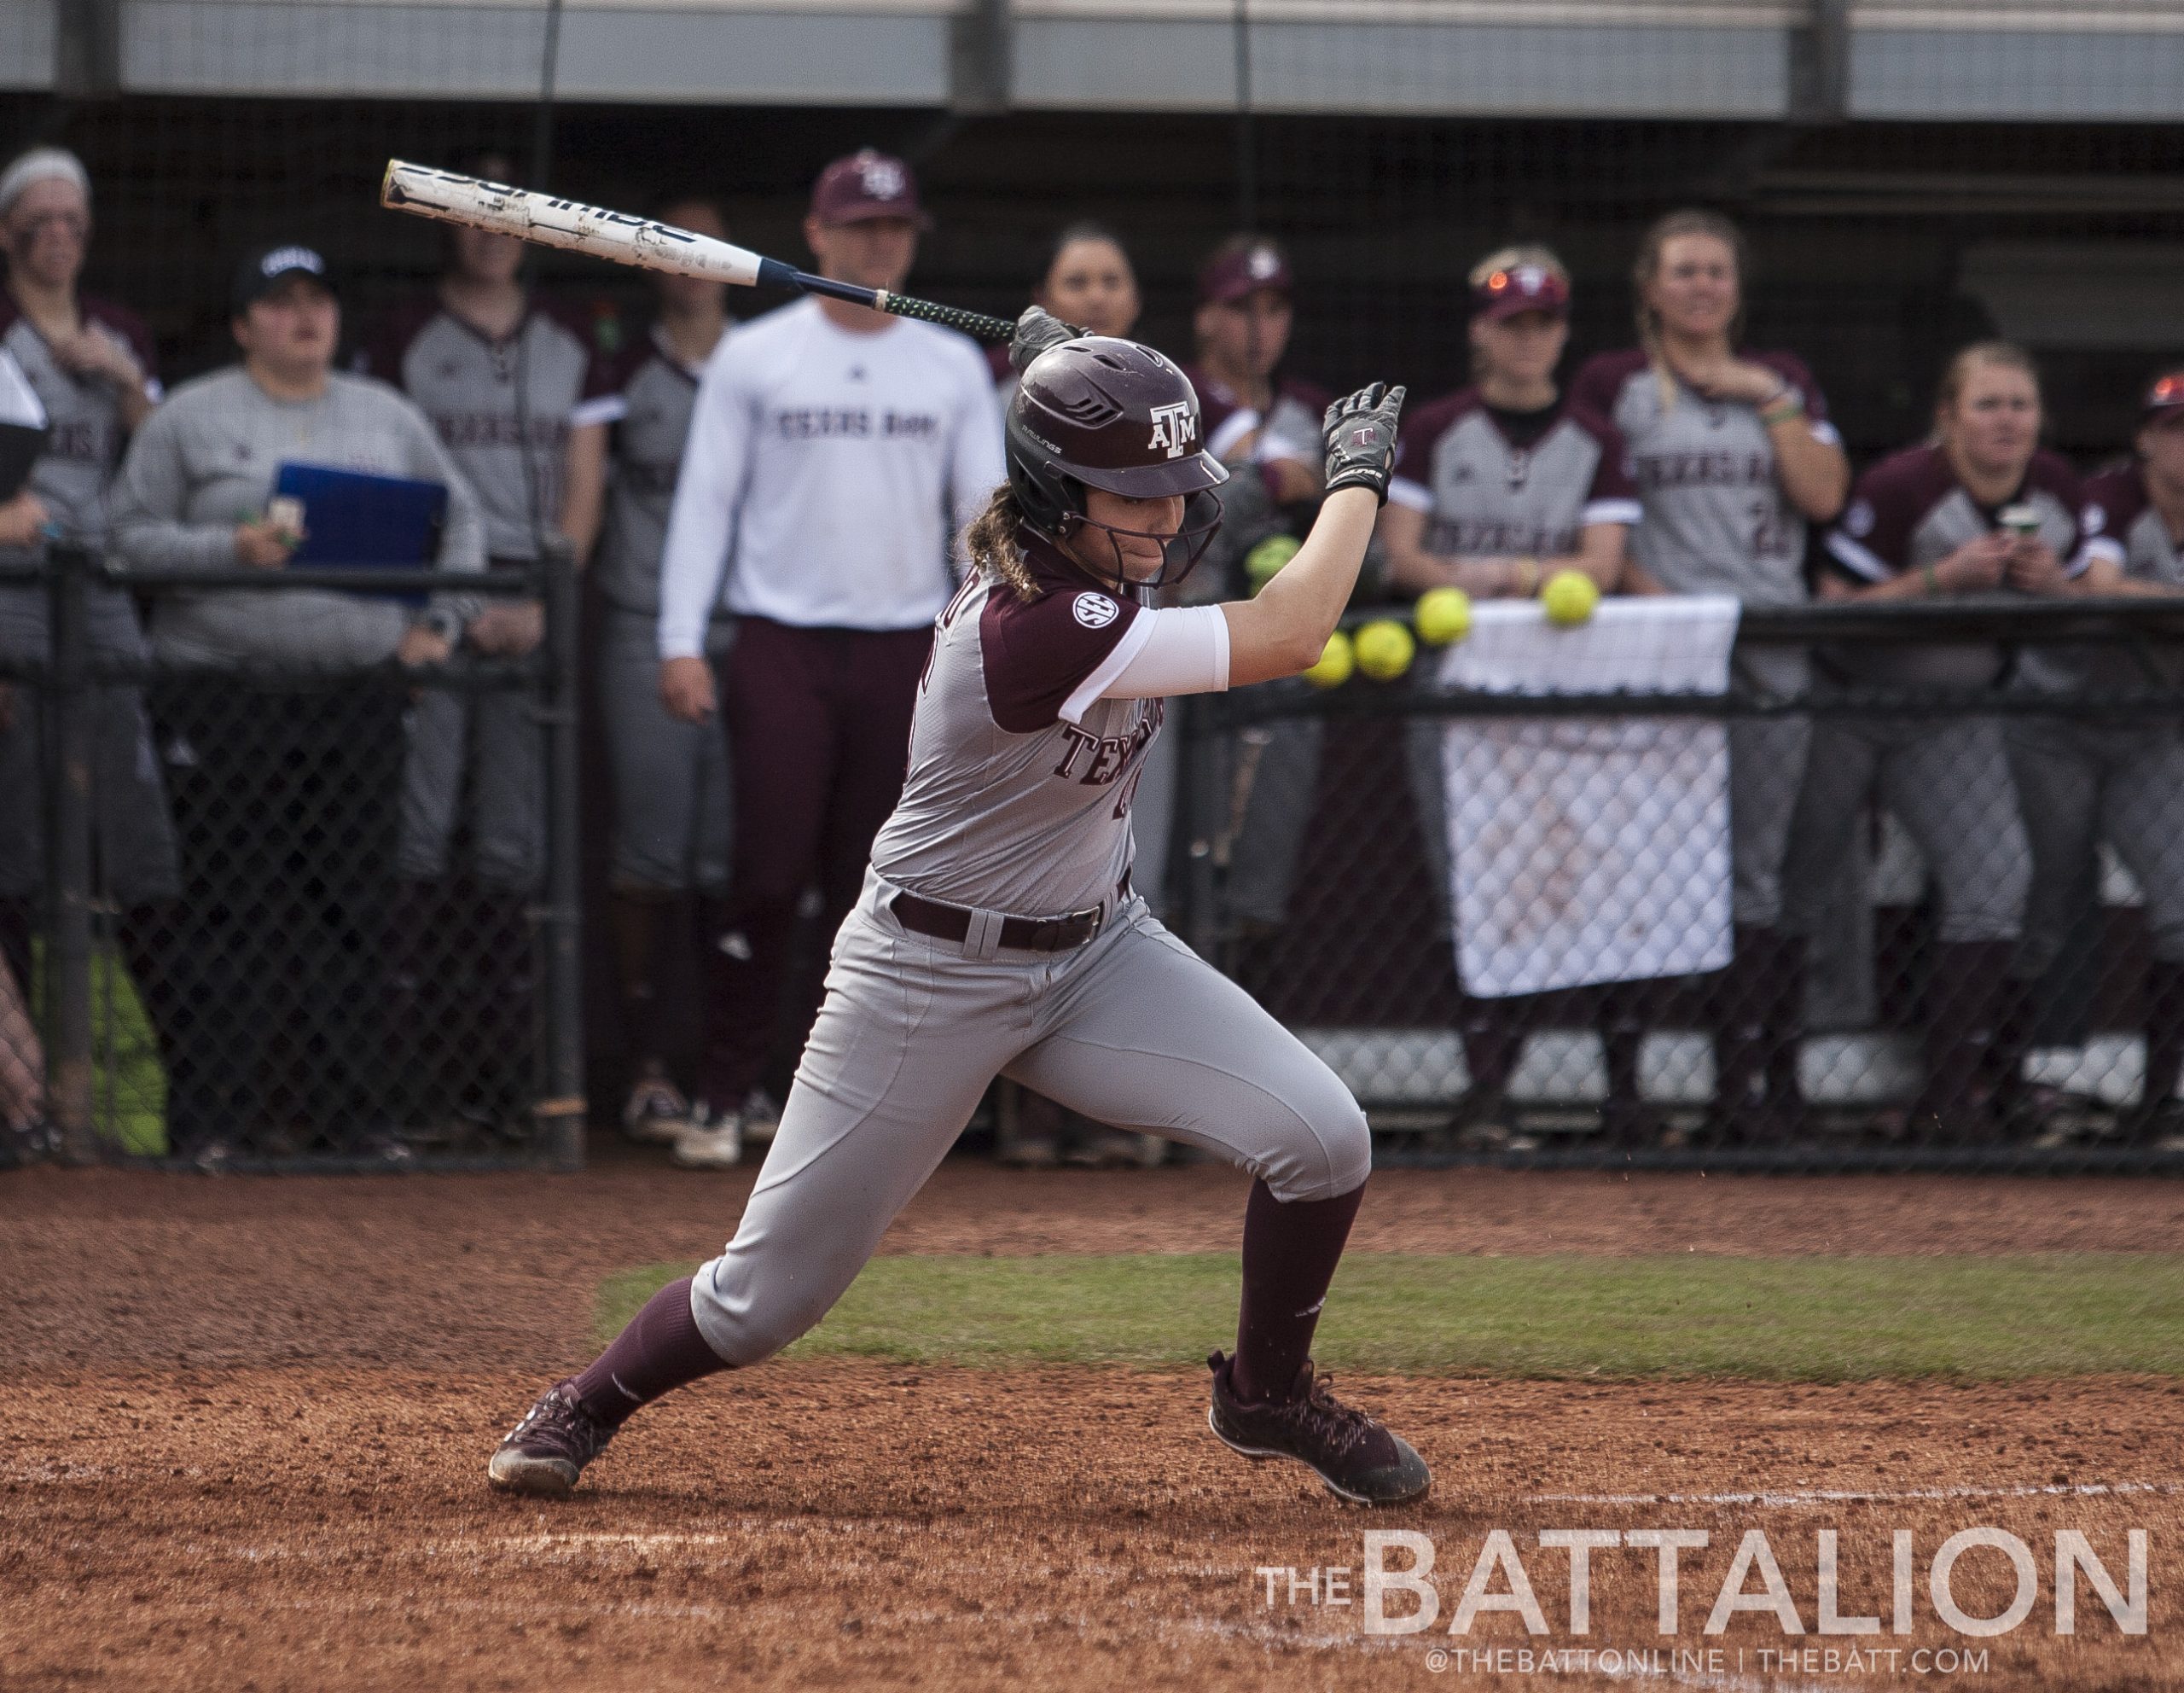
(1505,914)
(285,916)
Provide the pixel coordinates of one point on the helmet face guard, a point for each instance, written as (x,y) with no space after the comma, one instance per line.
(1182,550)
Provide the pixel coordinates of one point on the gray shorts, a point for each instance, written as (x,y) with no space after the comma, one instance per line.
(671,794)
(1132,1028)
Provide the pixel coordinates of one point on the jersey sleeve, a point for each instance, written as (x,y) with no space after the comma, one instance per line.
(1185,651)
(1417,436)
(2112,501)
(1871,540)
(1791,369)
(1047,660)
(716,464)
(1613,495)
(599,390)
(1598,382)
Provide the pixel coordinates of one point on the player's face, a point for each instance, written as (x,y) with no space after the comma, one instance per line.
(47,229)
(481,257)
(1249,334)
(693,293)
(1091,284)
(874,253)
(1695,291)
(293,330)
(1995,424)
(2162,444)
(1139,530)
(1523,349)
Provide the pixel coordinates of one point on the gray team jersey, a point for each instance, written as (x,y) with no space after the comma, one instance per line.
(211,452)
(1910,511)
(657,391)
(2119,516)
(497,404)
(1484,497)
(72,476)
(1716,520)
(1020,777)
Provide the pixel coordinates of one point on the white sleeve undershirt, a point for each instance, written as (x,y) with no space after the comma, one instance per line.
(1176,649)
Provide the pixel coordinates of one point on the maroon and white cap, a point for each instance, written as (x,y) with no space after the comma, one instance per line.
(1508,290)
(2165,397)
(867,185)
(1241,269)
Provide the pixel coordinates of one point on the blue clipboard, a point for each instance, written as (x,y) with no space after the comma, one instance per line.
(354,520)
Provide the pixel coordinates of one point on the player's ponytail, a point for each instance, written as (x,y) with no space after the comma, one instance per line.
(1691,221)
(993,545)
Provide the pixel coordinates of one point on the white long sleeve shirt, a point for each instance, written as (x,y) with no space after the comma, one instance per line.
(828,477)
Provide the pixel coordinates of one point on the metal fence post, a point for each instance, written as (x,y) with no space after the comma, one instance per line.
(560,1113)
(68,858)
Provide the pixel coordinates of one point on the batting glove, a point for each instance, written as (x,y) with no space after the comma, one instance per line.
(1036,331)
(1361,440)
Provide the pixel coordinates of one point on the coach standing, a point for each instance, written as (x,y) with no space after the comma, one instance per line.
(834,456)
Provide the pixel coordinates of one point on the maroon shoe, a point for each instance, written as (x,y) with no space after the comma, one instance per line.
(1358,1458)
(546,1451)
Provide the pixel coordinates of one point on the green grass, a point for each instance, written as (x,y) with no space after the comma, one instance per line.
(1817,1319)
(129,1087)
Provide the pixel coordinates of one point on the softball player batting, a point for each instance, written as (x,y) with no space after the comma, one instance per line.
(997,934)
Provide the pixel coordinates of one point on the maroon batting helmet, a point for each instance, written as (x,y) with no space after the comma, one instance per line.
(1101,412)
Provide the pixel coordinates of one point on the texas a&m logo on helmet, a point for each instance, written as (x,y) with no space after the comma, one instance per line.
(1173,428)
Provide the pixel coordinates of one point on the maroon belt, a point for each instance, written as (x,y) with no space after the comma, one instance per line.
(1023,934)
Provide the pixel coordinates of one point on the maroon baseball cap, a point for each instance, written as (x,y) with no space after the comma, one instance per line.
(2165,399)
(1509,290)
(866,185)
(1242,268)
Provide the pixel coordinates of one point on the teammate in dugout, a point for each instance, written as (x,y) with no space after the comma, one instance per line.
(522,403)
(1088,280)
(997,934)
(1498,486)
(670,777)
(1925,523)
(2118,781)
(1732,455)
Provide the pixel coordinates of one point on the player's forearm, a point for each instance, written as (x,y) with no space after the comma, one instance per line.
(1284,629)
(1814,475)
(583,489)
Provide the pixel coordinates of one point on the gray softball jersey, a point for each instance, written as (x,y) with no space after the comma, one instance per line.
(83,413)
(1482,496)
(2118,511)
(1021,776)
(497,403)
(656,392)
(1909,512)
(1715,519)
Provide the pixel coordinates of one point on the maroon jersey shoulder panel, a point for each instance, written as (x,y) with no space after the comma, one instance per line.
(1037,653)
(1216,401)
(1893,497)
(1612,477)
(1308,394)
(2114,500)
(1423,425)
(1599,380)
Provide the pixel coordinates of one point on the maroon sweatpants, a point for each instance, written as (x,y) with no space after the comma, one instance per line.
(818,724)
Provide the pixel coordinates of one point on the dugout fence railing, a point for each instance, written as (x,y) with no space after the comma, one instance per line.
(1303,864)
(291,915)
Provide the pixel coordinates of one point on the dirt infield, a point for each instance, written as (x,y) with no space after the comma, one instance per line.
(246,1423)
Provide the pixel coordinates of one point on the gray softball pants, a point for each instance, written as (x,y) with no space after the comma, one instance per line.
(2079,783)
(670,778)
(1132,1028)
(1948,782)
(494,734)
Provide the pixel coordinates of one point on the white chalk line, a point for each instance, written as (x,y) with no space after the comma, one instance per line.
(1785,1499)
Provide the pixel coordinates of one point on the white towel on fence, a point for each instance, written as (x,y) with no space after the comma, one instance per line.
(1589,849)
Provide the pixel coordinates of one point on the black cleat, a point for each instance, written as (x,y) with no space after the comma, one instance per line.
(1359,1458)
(546,1451)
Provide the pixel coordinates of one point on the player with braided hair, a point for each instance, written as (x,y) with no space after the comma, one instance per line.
(997,933)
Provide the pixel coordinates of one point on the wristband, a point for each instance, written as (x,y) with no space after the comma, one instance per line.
(1787,405)
(1933,582)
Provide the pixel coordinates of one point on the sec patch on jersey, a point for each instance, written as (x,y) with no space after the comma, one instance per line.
(1095,611)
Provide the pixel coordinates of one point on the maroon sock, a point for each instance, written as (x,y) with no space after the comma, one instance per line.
(659,1351)
(1290,1251)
